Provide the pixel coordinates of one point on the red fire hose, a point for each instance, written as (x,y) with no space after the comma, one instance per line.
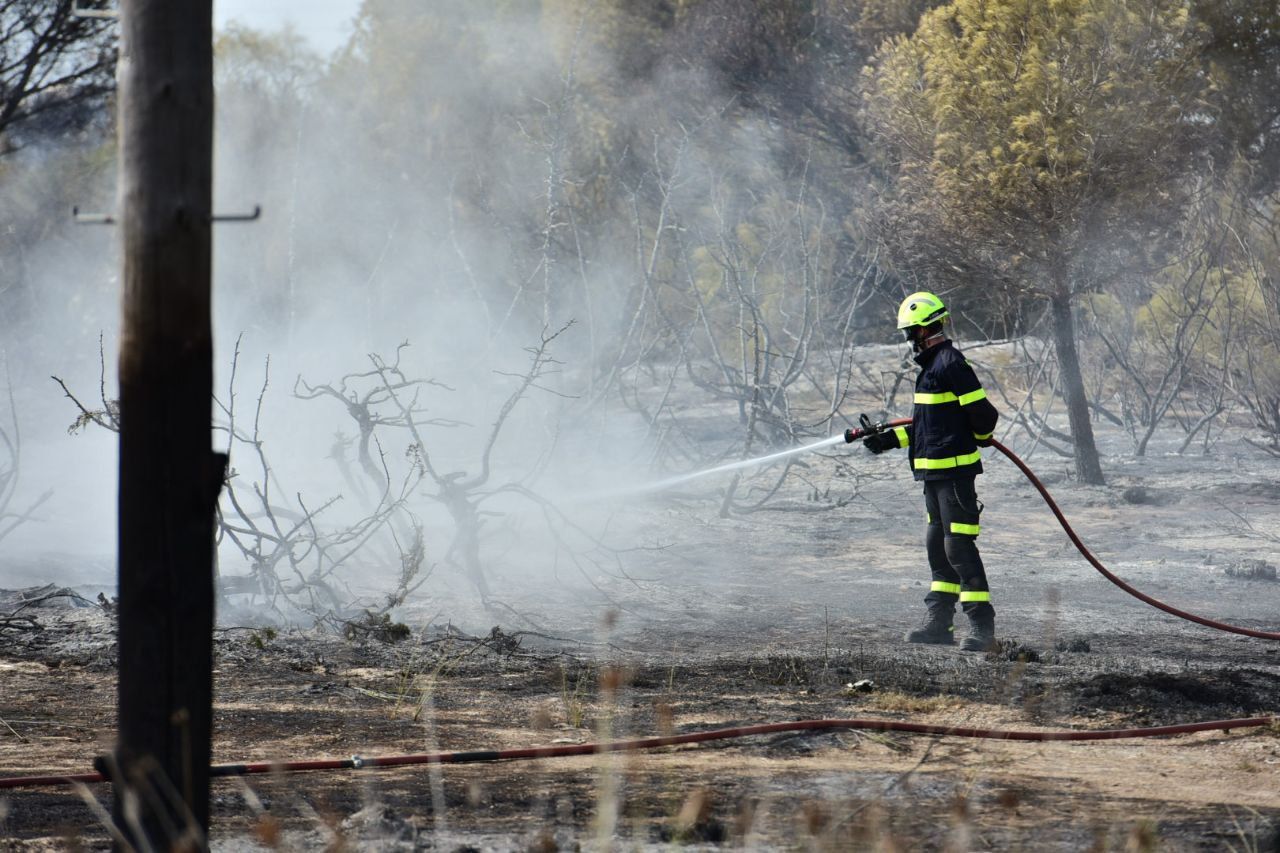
(564,751)
(1093,561)
(356,762)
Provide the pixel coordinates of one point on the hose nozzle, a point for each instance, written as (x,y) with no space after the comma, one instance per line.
(867,428)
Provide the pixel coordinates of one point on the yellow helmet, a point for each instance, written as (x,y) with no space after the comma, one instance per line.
(920,309)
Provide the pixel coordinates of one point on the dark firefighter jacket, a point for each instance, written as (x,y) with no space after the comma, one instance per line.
(951,416)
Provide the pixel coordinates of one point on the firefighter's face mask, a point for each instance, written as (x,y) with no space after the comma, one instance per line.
(918,337)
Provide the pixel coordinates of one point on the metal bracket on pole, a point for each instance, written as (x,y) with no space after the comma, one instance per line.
(80,12)
(109,219)
(238,217)
(92,218)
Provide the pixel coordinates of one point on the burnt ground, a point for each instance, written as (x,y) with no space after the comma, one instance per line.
(306,695)
(770,616)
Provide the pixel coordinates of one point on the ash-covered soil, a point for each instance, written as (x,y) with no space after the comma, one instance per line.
(795,611)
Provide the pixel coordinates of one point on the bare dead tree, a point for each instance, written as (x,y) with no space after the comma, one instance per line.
(1207,399)
(364,398)
(295,558)
(399,404)
(55,67)
(741,297)
(838,372)
(779,279)
(107,417)
(463,495)
(551,136)
(631,348)
(554,217)
(1021,384)
(1253,378)
(1155,345)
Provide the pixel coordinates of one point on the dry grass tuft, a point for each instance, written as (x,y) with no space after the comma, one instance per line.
(905,703)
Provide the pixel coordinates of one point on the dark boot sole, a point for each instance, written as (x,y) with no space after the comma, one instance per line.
(930,641)
(972,644)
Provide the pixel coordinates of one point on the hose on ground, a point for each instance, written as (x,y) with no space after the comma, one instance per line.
(1106,573)
(567,750)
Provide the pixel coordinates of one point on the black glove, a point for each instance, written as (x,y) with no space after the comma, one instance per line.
(880,442)
(982,442)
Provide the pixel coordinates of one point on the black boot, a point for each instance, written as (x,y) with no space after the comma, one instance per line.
(937,628)
(982,632)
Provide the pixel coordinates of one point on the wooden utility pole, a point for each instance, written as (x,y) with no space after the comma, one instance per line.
(169,475)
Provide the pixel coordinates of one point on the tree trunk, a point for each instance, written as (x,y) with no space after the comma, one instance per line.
(169,476)
(1088,468)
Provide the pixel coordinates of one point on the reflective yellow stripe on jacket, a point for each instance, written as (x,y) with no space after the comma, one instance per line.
(949,462)
(948,397)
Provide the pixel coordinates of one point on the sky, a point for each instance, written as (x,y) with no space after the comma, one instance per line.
(325,23)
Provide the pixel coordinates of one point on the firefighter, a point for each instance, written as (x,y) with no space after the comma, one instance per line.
(952,418)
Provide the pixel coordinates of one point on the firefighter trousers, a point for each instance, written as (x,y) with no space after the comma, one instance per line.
(952,513)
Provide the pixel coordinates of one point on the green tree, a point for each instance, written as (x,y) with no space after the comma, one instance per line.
(1250,316)
(1242,59)
(1038,147)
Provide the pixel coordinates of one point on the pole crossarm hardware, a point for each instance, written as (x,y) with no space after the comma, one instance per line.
(238,217)
(81,12)
(92,218)
(110,218)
